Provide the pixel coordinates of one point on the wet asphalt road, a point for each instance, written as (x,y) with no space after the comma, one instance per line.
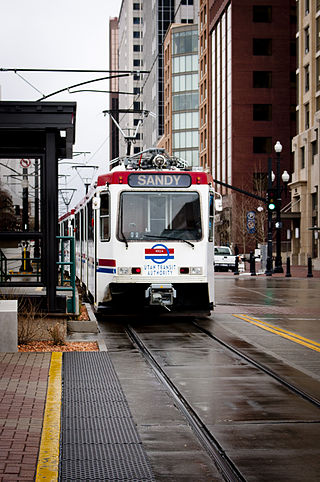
(269,432)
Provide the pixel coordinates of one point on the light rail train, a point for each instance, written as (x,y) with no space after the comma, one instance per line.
(144,237)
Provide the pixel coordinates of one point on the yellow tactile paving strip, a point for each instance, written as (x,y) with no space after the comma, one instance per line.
(48,462)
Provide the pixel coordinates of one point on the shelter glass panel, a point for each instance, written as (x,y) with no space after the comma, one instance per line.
(20,195)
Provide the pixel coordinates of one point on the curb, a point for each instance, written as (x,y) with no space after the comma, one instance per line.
(90,326)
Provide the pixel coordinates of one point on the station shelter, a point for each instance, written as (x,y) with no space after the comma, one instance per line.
(33,137)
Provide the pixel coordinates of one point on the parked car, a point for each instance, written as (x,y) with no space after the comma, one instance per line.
(224,259)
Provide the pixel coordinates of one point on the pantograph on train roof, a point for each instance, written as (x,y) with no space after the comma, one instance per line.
(154,158)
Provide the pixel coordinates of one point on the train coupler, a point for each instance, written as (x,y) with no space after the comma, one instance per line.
(161,295)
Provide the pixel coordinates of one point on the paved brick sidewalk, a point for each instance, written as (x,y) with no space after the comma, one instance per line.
(23,386)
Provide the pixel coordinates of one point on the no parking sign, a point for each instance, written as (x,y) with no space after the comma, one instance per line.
(25,163)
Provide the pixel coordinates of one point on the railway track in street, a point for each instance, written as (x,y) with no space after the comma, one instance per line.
(294,389)
(225,465)
(185,357)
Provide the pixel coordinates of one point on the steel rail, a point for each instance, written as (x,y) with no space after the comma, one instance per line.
(260,366)
(225,465)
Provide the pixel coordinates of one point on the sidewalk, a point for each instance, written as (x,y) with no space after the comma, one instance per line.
(296,272)
(23,389)
(91,435)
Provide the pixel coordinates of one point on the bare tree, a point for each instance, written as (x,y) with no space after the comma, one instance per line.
(8,219)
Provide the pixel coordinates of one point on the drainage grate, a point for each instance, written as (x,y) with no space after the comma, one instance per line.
(99,440)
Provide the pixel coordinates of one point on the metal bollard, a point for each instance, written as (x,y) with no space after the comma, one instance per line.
(236,268)
(309,275)
(252,264)
(288,273)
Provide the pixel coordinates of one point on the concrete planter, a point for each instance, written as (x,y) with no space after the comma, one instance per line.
(9,326)
(90,326)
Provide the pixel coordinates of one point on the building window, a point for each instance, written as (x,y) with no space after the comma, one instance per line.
(137,48)
(136,106)
(185,120)
(136,76)
(293,14)
(306,78)
(314,150)
(318,33)
(307,7)
(136,6)
(185,42)
(186,2)
(262,145)
(262,79)
(136,34)
(262,112)
(188,101)
(302,154)
(181,83)
(314,201)
(136,90)
(262,13)
(262,46)
(307,116)
(137,20)
(307,39)
(184,63)
(137,62)
(318,73)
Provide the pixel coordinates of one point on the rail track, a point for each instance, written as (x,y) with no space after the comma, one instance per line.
(219,455)
(208,441)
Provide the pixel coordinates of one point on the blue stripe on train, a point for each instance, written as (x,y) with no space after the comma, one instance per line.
(106,270)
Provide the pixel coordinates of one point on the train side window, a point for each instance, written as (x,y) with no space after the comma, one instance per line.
(90,220)
(82,225)
(211,217)
(105,217)
(65,228)
(77,226)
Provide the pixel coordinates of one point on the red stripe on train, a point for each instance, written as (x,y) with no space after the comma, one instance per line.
(107,262)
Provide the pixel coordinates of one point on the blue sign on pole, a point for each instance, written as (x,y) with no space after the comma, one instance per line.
(251,222)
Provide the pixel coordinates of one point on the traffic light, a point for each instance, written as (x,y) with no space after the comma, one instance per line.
(271,200)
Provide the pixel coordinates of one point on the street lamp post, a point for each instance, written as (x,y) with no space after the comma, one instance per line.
(269,240)
(285,179)
(278,261)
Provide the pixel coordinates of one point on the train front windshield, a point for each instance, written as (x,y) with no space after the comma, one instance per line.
(157,215)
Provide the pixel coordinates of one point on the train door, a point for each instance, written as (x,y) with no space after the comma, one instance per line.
(210,247)
(78,244)
(91,250)
(102,240)
(82,244)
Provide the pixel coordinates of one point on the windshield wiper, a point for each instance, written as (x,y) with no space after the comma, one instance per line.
(124,239)
(169,238)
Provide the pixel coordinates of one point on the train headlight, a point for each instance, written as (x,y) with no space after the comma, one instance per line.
(124,271)
(196,270)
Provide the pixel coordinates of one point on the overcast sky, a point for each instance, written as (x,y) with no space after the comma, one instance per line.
(60,34)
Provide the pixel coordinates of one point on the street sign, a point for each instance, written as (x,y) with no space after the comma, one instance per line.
(25,163)
(251,222)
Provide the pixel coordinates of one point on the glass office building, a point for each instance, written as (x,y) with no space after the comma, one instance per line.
(181,85)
